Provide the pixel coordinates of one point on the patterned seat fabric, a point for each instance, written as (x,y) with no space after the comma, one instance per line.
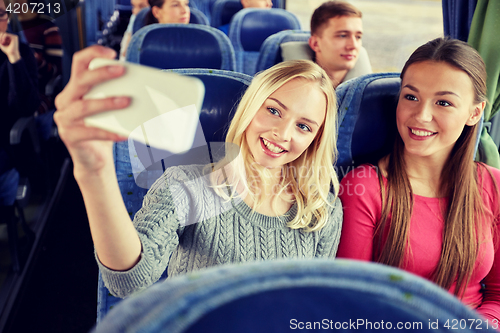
(168,46)
(270,51)
(285,295)
(249,29)
(367,118)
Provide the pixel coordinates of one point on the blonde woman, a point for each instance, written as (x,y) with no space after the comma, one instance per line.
(270,200)
(428,207)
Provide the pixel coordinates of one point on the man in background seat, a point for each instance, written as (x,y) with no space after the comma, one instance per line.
(336,38)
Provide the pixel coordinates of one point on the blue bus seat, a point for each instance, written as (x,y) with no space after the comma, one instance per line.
(168,46)
(367,118)
(140,19)
(223,11)
(123,5)
(279,4)
(270,51)
(223,89)
(198,17)
(285,295)
(250,27)
(205,6)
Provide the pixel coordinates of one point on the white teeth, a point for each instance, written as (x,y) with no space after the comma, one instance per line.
(421,133)
(272,147)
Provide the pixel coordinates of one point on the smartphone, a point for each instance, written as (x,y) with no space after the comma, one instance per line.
(164,109)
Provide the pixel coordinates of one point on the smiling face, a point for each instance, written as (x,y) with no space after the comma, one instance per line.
(337,45)
(173,11)
(436,102)
(286,124)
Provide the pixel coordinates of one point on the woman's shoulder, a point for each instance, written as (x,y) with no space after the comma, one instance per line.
(362,183)
(484,169)
(185,172)
(181,178)
(489,187)
(335,203)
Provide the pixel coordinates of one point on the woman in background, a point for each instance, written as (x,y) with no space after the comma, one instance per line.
(161,11)
(168,11)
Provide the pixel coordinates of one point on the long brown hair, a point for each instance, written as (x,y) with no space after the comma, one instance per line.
(459,182)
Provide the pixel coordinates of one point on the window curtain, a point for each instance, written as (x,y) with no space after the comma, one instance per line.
(457,18)
(484,37)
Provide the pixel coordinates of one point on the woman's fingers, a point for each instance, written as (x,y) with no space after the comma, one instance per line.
(78,87)
(82,59)
(87,107)
(88,79)
(71,122)
(74,135)
(82,79)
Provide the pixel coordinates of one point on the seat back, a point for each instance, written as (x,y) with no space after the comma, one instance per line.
(249,29)
(123,5)
(223,90)
(140,19)
(198,17)
(270,51)
(285,295)
(168,46)
(223,11)
(279,4)
(205,6)
(367,118)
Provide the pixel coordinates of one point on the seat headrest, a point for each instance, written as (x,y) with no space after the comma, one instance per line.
(175,46)
(375,130)
(367,117)
(296,50)
(197,17)
(229,9)
(258,24)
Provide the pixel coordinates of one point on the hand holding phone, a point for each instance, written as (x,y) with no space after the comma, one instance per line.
(164,108)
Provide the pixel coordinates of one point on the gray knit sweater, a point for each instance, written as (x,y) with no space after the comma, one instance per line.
(185,225)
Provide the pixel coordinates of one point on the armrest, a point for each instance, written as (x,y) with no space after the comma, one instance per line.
(20,126)
(53,85)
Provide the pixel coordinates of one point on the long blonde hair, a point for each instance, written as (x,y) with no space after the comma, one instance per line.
(311,176)
(459,182)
